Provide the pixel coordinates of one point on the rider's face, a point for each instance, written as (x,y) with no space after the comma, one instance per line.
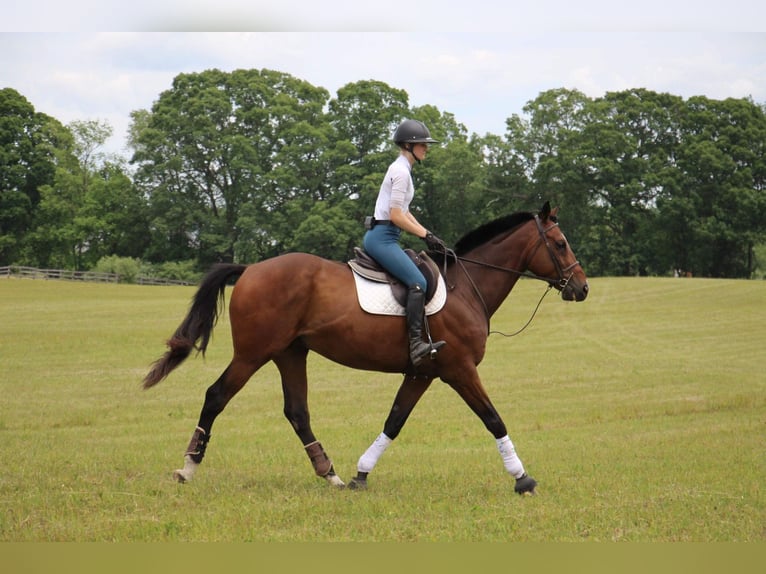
(419,150)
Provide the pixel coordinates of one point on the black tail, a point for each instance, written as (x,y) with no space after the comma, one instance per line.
(198,324)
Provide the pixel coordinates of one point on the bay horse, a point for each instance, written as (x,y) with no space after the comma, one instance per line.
(282,308)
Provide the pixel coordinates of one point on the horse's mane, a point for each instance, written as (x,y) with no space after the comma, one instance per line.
(489,231)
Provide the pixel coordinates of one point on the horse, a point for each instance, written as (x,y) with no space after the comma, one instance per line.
(283,307)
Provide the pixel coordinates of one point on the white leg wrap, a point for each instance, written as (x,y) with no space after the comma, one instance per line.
(187,472)
(511,461)
(335,480)
(370,457)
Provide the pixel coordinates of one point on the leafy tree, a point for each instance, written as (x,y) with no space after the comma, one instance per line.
(366,113)
(111,214)
(544,158)
(505,184)
(722,164)
(54,239)
(113,218)
(29,141)
(90,210)
(629,143)
(216,142)
(328,231)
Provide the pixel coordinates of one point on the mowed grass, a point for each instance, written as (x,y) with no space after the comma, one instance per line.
(641,412)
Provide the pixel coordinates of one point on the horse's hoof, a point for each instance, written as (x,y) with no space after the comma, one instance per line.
(186,473)
(357,484)
(335,480)
(525,485)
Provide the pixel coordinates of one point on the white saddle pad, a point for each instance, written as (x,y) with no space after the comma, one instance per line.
(376,298)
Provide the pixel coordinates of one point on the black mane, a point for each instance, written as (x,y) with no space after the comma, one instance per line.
(489,231)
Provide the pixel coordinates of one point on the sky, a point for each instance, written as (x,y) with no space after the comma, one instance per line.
(482,62)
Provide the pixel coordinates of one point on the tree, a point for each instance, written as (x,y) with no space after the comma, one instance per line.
(217,142)
(629,143)
(544,158)
(505,184)
(28,144)
(113,218)
(366,113)
(90,210)
(722,166)
(328,231)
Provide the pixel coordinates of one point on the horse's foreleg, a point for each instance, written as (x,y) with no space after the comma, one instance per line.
(476,398)
(292,368)
(217,397)
(512,462)
(406,398)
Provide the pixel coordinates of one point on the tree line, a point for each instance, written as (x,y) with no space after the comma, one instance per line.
(245,165)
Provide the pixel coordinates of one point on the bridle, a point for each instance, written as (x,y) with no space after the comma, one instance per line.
(560,283)
(563,279)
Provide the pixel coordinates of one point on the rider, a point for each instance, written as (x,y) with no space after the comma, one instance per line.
(392,215)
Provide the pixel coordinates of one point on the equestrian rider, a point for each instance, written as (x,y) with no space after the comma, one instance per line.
(392,216)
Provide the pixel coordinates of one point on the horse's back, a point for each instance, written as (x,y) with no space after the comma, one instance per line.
(292,280)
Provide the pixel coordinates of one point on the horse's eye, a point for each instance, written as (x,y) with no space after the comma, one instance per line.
(561,244)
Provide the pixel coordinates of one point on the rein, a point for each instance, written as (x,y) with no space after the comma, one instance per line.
(543,239)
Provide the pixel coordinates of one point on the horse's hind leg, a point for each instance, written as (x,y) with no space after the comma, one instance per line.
(217,397)
(292,368)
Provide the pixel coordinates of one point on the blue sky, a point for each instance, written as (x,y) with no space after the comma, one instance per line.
(482,63)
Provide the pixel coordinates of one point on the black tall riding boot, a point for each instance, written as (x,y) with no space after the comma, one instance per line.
(415,313)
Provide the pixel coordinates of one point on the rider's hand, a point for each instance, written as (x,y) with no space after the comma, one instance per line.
(434,243)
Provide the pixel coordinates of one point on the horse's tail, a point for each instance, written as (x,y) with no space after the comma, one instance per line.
(198,324)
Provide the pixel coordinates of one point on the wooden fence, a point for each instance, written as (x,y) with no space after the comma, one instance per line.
(69,275)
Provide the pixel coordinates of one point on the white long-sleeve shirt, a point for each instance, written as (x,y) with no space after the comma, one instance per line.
(397,189)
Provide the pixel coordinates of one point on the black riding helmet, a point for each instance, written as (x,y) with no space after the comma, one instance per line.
(412,131)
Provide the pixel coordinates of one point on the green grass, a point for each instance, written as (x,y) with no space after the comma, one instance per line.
(641,412)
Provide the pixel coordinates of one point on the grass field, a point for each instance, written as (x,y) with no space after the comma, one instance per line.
(641,412)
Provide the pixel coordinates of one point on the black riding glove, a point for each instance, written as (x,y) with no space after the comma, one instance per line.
(434,243)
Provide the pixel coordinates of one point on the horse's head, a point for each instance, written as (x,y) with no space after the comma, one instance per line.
(553,259)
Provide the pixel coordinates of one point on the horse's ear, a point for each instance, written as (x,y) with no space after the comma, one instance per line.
(545,211)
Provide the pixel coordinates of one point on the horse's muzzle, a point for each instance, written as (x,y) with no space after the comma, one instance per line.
(574,290)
